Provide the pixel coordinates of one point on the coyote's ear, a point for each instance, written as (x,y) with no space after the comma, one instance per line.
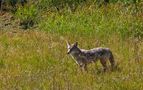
(68,44)
(76,43)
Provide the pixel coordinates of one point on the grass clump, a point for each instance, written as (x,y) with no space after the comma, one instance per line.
(28,16)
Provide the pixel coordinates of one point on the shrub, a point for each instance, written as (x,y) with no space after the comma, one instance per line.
(28,16)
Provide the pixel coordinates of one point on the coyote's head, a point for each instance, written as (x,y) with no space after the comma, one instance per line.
(72,49)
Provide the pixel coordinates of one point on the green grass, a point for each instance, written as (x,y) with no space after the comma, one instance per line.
(37,59)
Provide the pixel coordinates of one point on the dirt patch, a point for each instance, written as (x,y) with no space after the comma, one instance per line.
(8,21)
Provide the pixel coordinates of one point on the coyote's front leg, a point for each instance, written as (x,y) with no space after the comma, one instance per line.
(83,67)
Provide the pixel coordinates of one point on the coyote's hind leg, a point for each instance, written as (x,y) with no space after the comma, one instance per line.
(103,62)
(112,61)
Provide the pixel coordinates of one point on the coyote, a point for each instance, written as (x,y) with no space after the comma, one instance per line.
(83,57)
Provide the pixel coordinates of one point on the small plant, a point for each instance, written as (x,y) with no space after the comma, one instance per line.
(59,4)
(1,63)
(27,16)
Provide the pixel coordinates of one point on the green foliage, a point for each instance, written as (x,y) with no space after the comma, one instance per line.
(130,1)
(28,16)
(2,64)
(59,4)
(88,23)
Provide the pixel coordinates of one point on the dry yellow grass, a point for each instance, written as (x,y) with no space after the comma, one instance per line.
(38,60)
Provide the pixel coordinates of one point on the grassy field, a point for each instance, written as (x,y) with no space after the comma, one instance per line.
(36,59)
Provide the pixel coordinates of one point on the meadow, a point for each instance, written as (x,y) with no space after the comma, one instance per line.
(36,58)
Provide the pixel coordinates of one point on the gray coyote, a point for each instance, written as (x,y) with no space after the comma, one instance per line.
(84,57)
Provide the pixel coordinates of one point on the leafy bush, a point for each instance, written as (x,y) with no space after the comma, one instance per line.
(28,16)
(59,4)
